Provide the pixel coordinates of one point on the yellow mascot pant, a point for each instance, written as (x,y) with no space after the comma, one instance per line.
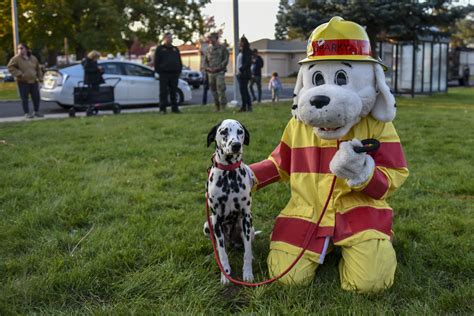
(366,267)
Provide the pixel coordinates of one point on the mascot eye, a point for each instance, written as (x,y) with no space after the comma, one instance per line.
(340,78)
(318,78)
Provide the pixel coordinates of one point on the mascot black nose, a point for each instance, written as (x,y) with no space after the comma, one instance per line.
(319,101)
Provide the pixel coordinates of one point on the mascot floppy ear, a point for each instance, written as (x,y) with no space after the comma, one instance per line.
(298,87)
(385,108)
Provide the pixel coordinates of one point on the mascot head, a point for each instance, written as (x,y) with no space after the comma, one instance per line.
(340,82)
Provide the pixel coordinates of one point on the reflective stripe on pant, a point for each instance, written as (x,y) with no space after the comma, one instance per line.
(366,267)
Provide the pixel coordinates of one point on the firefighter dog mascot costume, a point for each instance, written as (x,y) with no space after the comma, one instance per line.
(340,99)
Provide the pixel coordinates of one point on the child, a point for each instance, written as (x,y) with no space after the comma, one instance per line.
(275,86)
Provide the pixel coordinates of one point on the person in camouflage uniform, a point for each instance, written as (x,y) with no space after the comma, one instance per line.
(215,64)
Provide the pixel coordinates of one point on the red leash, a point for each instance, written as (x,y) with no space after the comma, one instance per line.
(313,230)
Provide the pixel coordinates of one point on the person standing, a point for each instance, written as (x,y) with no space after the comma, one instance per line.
(215,65)
(27,71)
(257,65)
(274,85)
(92,72)
(244,62)
(168,65)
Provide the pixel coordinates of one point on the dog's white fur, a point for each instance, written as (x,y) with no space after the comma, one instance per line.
(229,194)
(364,92)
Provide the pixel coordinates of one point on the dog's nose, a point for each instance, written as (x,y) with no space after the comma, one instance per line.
(236,147)
(319,101)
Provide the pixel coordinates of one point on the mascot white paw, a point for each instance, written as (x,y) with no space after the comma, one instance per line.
(356,168)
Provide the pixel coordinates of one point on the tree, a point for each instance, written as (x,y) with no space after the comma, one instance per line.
(104,25)
(281,26)
(404,19)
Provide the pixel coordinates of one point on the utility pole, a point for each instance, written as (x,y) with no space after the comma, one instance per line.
(16,37)
(236,49)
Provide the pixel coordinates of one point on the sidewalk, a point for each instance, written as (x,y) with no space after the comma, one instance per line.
(83,114)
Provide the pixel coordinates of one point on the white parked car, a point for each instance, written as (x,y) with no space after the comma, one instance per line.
(138,84)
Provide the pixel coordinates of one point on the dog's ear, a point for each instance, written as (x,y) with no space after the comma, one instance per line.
(298,86)
(211,137)
(384,108)
(247,135)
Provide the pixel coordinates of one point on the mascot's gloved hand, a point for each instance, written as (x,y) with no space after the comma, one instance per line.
(356,168)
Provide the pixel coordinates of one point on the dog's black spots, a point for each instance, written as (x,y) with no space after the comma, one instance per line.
(211,178)
(207,230)
(236,199)
(244,198)
(395,105)
(222,199)
(221,243)
(294,95)
(311,66)
(224,131)
(346,64)
(294,106)
(237,206)
(227,271)
(243,172)
(248,203)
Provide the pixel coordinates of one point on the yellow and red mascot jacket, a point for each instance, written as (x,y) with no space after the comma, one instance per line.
(354,214)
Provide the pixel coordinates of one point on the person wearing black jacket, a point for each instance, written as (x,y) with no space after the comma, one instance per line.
(92,72)
(168,65)
(244,62)
(257,65)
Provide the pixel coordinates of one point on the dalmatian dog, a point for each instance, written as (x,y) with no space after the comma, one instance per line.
(332,97)
(228,187)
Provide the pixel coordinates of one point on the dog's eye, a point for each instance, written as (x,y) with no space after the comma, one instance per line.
(240,132)
(318,78)
(224,132)
(340,78)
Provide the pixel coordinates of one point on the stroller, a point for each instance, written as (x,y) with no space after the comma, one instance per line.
(92,100)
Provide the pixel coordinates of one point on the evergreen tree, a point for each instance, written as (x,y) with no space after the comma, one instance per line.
(281,26)
(405,19)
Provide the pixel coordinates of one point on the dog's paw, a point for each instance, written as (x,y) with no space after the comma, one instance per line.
(248,276)
(224,280)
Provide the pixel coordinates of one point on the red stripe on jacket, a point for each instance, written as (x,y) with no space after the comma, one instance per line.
(293,231)
(314,159)
(377,186)
(389,155)
(362,218)
(266,172)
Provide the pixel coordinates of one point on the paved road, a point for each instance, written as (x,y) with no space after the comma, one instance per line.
(13,109)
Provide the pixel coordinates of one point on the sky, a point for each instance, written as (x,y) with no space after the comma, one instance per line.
(257,18)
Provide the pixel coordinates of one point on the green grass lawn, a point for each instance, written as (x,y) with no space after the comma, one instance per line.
(104,215)
(8,91)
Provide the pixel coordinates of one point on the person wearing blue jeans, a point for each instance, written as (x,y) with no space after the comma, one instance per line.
(26,69)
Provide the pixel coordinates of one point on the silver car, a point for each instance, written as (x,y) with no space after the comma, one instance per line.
(138,84)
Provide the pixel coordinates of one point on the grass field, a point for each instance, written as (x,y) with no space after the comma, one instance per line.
(104,215)
(8,91)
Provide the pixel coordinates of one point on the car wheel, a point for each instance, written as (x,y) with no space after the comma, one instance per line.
(180,96)
(72,112)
